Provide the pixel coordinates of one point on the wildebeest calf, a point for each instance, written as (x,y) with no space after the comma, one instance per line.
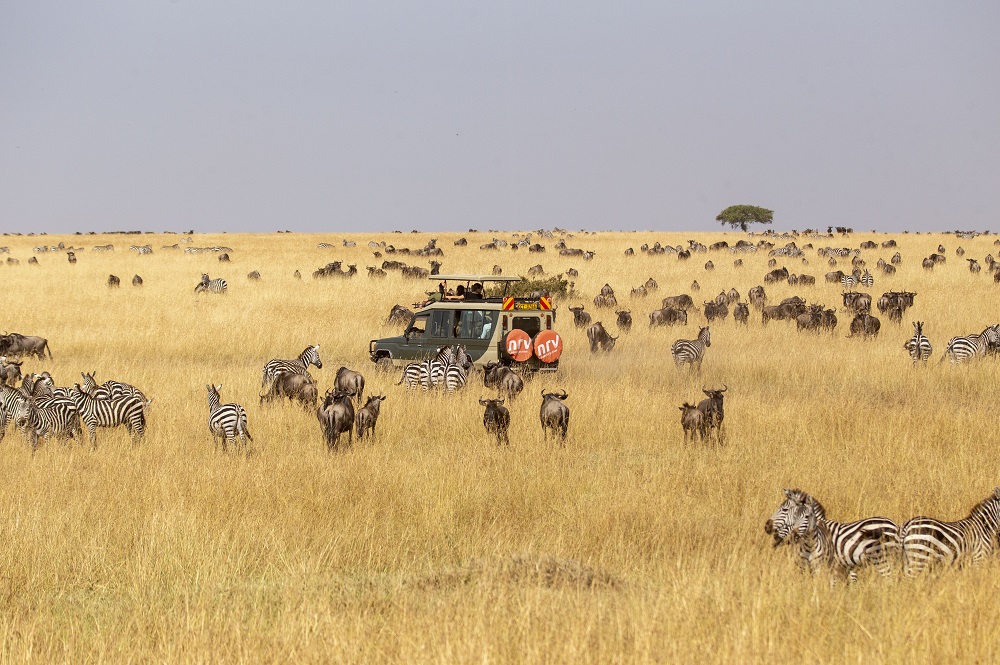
(114,281)
(368,416)
(692,422)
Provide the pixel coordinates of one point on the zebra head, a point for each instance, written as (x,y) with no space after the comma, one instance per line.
(705,336)
(311,357)
(791,517)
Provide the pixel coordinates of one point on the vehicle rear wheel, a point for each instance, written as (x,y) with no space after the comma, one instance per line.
(383,364)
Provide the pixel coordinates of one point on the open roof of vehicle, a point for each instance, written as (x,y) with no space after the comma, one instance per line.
(474,278)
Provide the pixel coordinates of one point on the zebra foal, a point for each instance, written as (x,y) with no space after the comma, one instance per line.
(207,285)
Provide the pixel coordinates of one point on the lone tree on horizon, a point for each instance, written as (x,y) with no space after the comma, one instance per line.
(742,215)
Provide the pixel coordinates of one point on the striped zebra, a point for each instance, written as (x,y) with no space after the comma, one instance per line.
(226,422)
(207,285)
(115,390)
(104,248)
(691,351)
(48,417)
(324,245)
(12,403)
(310,356)
(962,349)
(847,546)
(456,372)
(851,281)
(918,345)
(196,250)
(991,335)
(867,280)
(927,541)
(99,409)
(141,249)
(429,373)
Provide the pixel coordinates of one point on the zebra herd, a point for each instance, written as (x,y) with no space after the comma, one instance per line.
(448,369)
(39,409)
(961,349)
(848,547)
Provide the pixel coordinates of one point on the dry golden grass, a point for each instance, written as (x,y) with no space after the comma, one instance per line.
(429,544)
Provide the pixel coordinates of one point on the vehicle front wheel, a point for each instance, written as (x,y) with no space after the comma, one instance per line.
(384,364)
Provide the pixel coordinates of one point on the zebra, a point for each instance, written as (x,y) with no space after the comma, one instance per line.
(115,390)
(918,345)
(12,403)
(310,356)
(104,248)
(846,545)
(226,422)
(850,281)
(927,541)
(47,417)
(961,349)
(429,373)
(207,285)
(456,372)
(867,280)
(324,245)
(99,409)
(691,351)
(141,249)
(196,250)
(992,337)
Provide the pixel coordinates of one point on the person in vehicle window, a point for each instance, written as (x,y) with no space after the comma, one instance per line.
(459,294)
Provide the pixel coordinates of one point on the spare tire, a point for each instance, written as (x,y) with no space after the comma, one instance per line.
(548,346)
(516,346)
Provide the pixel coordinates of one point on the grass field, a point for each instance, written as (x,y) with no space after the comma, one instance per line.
(429,544)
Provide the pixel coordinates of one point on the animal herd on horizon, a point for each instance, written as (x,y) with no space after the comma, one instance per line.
(40,410)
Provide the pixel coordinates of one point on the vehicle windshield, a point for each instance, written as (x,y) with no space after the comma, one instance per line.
(417,326)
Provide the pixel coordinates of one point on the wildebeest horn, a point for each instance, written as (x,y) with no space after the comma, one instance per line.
(564,393)
(482,402)
(724,388)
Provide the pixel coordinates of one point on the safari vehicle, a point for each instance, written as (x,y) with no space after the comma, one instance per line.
(496,328)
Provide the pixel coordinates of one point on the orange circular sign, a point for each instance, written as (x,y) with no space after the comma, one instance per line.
(518,345)
(548,346)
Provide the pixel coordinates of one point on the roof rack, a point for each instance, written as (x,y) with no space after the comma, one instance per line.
(475,278)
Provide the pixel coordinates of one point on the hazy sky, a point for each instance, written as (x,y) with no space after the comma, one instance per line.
(330,116)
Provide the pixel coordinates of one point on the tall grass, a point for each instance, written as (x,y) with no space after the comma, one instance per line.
(430,544)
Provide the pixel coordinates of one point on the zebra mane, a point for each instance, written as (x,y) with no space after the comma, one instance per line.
(986,504)
(799,496)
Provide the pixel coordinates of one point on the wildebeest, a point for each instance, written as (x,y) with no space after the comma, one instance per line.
(713,412)
(598,336)
(496,419)
(667,316)
(554,414)
(606,290)
(683,301)
(581,319)
(709,265)
(297,387)
(605,301)
(624,320)
(757,296)
(71,256)
(336,416)
(866,325)
(114,281)
(224,257)
(399,314)
(857,302)
(715,310)
(973,266)
(16,344)
(375,271)
(779,275)
(349,381)
(297,275)
(695,286)
(253,276)
(136,280)
(651,284)
(692,422)
(497,270)
(504,379)
(536,271)
(367,416)
(741,313)
(10,374)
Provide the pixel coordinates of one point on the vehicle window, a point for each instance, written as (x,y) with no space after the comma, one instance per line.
(475,323)
(417,326)
(441,323)
(529,324)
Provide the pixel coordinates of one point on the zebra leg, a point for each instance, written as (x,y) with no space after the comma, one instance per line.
(92,430)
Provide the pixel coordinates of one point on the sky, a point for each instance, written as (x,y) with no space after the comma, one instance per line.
(444,116)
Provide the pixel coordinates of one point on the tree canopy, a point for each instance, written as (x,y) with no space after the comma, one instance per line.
(742,215)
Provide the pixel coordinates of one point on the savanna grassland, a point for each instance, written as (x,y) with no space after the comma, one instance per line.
(430,544)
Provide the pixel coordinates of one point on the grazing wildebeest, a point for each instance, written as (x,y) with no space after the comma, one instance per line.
(866,325)
(136,280)
(10,374)
(554,414)
(254,276)
(297,387)
(374,271)
(639,292)
(757,296)
(605,301)
(581,319)
(779,275)
(16,344)
(713,412)
(692,422)
(667,316)
(224,257)
(857,302)
(624,320)
(741,313)
(683,301)
(606,290)
(497,270)
(536,271)
(114,281)
(504,379)
(651,284)
(336,416)
(572,272)
(599,336)
(714,310)
(297,275)
(350,381)
(496,419)
(367,416)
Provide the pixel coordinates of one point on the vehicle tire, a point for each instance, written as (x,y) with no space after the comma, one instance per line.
(384,364)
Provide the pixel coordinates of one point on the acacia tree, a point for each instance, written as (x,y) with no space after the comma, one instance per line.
(742,215)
